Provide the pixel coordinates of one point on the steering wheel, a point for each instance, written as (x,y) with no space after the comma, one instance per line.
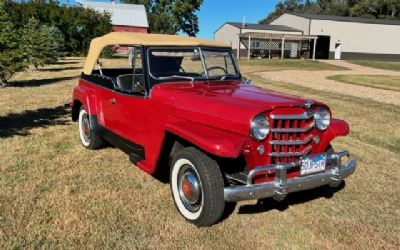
(214,68)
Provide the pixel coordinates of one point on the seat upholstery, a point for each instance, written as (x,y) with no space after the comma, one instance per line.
(132,83)
(125,82)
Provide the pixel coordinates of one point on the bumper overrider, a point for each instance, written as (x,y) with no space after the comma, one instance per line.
(281,186)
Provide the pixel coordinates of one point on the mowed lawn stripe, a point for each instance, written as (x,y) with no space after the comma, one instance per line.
(393,66)
(374,81)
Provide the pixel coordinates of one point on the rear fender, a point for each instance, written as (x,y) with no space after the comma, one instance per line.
(211,140)
(87,98)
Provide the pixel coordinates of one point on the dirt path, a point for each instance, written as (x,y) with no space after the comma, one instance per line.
(318,80)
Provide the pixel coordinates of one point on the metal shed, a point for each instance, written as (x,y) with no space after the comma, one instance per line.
(348,38)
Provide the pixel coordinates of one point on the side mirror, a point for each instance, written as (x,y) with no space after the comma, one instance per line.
(246,81)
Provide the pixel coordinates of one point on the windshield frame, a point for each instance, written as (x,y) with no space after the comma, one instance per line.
(158,80)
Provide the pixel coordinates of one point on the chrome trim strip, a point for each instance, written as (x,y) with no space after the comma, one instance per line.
(291,130)
(291,154)
(281,186)
(288,143)
(304,116)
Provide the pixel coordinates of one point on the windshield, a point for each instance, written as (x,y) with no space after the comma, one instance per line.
(191,64)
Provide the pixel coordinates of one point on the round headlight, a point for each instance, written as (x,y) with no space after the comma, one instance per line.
(322,118)
(259,128)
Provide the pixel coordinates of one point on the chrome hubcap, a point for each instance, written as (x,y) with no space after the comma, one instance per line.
(85,127)
(189,188)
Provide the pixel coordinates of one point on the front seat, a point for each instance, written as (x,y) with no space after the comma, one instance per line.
(125,82)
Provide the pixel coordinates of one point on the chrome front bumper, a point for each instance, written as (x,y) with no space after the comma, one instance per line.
(281,186)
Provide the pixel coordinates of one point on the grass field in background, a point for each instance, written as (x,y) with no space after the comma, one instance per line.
(286,64)
(56,194)
(374,81)
(394,66)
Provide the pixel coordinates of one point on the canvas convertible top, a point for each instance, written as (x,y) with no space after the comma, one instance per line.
(124,38)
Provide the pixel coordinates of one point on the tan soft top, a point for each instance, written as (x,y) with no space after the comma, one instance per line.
(125,38)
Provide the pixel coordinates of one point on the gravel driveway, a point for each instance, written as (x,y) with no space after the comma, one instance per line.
(318,80)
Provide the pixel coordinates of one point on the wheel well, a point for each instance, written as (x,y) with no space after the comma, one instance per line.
(173,143)
(75,110)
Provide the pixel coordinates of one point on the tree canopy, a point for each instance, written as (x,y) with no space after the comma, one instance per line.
(38,32)
(171,16)
(77,25)
(379,9)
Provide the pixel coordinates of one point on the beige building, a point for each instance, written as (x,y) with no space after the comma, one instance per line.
(260,40)
(348,37)
(229,32)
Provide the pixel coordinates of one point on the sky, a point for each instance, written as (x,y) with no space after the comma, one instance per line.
(214,13)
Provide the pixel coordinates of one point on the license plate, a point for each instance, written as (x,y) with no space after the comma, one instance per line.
(313,164)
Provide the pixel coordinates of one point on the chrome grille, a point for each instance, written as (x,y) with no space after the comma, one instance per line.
(291,136)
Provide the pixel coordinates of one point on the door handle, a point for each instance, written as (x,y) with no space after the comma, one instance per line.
(113,101)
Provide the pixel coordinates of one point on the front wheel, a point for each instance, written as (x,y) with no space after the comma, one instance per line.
(197,187)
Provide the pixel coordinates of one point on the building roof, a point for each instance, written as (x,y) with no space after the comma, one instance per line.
(263,26)
(268,36)
(125,38)
(121,14)
(347,19)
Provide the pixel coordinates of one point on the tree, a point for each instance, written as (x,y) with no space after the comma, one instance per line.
(34,37)
(12,57)
(286,6)
(380,9)
(171,16)
(42,44)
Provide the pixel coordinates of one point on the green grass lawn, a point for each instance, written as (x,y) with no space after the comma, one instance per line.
(373,81)
(395,66)
(287,64)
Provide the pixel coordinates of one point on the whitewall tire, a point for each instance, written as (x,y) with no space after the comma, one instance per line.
(197,187)
(88,137)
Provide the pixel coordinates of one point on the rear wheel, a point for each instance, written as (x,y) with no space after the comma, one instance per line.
(89,138)
(197,187)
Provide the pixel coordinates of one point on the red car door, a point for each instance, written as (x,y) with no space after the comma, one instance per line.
(124,115)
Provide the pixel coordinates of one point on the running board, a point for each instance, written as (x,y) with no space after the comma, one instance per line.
(135,158)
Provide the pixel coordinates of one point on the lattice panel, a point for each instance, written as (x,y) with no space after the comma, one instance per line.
(272,48)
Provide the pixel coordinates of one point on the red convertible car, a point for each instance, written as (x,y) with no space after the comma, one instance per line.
(180,105)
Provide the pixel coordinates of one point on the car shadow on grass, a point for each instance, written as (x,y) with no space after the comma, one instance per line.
(293,199)
(39,82)
(21,123)
(69,61)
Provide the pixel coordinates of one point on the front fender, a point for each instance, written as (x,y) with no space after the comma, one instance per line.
(337,128)
(211,140)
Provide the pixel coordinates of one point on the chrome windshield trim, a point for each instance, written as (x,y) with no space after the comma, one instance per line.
(203,60)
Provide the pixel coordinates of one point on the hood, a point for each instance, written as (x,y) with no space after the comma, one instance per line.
(229,106)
